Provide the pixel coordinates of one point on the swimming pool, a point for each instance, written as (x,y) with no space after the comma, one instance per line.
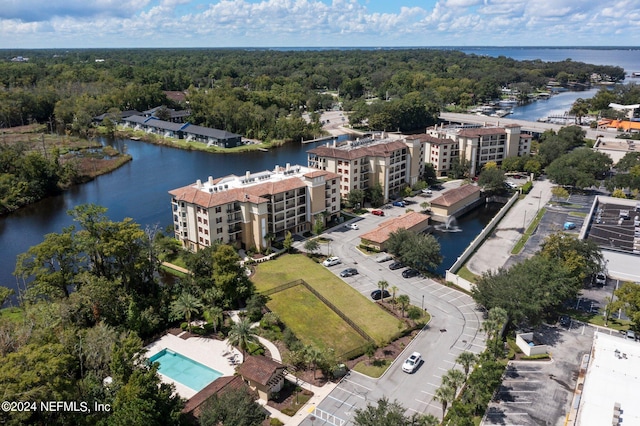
(184,370)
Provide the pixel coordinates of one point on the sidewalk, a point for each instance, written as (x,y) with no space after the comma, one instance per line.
(496,249)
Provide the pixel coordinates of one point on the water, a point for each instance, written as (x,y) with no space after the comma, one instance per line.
(139,189)
(184,370)
(555,105)
(455,237)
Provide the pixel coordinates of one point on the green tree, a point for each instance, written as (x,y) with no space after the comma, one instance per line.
(382,285)
(230,276)
(581,258)
(5,293)
(618,193)
(355,198)
(403,301)
(419,251)
(628,299)
(214,315)
(385,413)
(288,242)
(375,195)
(466,360)
(494,326)
(629,160)
(460,168)
(242,335)
(580,108)
(579,168)
(394,290)
(232,408)
(455,379)
(311,245)
(559,193)
(491,179)
(429,174)
(318,224)
(445,396)
(185,306)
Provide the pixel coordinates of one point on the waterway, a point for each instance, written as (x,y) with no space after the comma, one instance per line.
(139,189)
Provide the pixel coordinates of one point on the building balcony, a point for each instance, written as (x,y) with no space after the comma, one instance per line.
(233,208)
(234,218)
(234,229)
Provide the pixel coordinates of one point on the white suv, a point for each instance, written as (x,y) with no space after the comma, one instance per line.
(411,363)
(330,261)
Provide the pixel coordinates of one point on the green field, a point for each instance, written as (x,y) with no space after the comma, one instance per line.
(377,323)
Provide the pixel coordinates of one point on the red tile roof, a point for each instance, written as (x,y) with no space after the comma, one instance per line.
(482,131)
(455,195)
(406,221)
(372,150)
(201,198)
(259,369)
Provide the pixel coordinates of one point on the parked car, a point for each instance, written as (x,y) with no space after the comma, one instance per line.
(568,226)
(396,265)
(565,320)
(410,273)
(377,212)
(330,261)
(383,257)
(352,226)
(412,363)
(399,204)
(427,192)
(349,272)
(379,294)
(631,335)
(601,278)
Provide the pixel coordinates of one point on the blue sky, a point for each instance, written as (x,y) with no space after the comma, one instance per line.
(330,23)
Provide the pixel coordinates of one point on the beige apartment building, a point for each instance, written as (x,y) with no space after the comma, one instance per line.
(365,162)
(249,211)
(478,145)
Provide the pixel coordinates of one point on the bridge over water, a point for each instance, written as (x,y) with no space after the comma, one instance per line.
(527,126)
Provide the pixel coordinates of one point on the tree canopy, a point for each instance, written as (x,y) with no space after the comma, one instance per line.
(419,251)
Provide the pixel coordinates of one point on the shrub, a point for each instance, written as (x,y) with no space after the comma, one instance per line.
(275,422)
(526,188)
(414,313)
(534,357)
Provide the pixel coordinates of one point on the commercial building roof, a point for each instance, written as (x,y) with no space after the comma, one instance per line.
(406,221)
(455,195)
(612,380)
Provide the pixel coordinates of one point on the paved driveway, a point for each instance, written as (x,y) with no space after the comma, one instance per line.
(454,328)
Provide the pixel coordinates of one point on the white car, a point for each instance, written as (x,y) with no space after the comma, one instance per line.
(383,257)
(352,226)
(601,278)
(330,261)
(411,363)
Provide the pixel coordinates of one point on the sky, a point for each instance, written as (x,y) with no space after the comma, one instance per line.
(317,23)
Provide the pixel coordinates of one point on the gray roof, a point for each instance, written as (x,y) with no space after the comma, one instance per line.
(209,132)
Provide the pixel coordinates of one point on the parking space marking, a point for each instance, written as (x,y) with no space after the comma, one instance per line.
(428,393)
(354,394)
(354,383)
(341,401)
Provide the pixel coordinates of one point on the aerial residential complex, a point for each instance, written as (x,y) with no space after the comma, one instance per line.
(478,145)
(248,211)
(363,163)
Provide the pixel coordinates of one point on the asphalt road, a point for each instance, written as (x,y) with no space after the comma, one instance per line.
(454,328)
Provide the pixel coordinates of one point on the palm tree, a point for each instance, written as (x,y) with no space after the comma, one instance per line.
(184,306)
(382,285)
(313,356)
(394,290)
(241,335)
(214,315)
(404,301)
(493,326)
(466,360)
(455,379)
(445,395)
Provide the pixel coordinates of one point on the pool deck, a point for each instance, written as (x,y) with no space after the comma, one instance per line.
(210,352)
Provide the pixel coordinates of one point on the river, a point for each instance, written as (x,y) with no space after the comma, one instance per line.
(140,188)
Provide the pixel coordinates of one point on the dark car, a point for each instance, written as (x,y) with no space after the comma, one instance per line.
(396,265)
(349,272)
(380,294)
(410,273)
(565,320)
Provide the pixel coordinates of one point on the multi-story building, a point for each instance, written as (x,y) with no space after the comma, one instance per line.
(365,162)
(249,211)
(478,145)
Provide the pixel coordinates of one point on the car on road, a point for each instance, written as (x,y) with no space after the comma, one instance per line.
(383,257)
(330,261)
(377,212)
(427,192)
(399,204)
(601,278)
(565,320)
(410,273)
(349,272)
(352,226)
(412,363)
(380,294)
(396,265)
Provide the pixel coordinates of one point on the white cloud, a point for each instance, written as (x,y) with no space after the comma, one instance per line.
(41,10)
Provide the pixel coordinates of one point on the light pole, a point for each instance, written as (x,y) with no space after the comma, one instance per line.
(423,302)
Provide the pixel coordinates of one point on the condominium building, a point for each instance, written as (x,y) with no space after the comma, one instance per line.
(365,162)
(249,211)
(476,144)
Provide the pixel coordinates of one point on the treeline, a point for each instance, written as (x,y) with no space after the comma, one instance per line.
(262,93)
(90,296)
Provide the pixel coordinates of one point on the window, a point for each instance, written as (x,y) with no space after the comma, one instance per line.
(199,220)
(355,179)
(219,209)
(199,228)
(206,231)
(205,221)
(219,231)
(201,239)
(206,242)
(218,220)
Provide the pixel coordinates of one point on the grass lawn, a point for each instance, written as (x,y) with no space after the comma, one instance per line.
(377,323)
(375,370)
(12,314)
(323,328)
(532,227)
(465,273)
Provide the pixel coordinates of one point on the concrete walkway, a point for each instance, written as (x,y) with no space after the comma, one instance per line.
(496,249)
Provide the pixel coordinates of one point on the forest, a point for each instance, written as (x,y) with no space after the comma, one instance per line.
(262,94)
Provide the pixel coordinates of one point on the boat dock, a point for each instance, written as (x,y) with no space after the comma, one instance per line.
(320,139)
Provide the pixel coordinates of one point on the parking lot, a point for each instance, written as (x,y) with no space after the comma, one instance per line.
(454,328)
(540,392)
